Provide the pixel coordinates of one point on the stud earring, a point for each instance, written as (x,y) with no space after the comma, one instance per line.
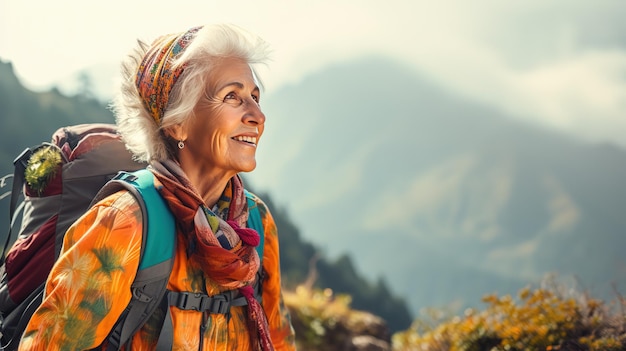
(181,144)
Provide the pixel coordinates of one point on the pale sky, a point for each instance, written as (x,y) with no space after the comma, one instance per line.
(559,63)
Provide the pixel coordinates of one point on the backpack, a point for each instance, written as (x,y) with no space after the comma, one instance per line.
(85,163)
(63,176)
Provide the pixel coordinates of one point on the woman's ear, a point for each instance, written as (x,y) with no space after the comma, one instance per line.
(177,132)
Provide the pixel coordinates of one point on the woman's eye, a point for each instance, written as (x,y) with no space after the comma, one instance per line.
(232,98)
(255,98)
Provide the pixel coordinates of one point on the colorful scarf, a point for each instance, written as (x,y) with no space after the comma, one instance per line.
(218,240)
(155,76)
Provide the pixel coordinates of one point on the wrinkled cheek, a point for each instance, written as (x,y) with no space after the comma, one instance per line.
(221,150)
(216,144)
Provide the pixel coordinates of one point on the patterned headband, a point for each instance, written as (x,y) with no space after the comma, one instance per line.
(155,76)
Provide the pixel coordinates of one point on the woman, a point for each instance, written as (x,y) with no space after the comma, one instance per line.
(189,105)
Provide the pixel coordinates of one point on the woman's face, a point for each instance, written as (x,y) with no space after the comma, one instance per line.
(228,123)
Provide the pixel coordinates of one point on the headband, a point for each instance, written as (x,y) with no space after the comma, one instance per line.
(155,76)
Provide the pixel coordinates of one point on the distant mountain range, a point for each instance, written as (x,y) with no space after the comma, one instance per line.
(445,198)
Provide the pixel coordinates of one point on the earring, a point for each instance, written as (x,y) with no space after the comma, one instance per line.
(181,144)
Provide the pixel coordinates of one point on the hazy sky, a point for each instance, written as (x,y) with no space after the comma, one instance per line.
(561,63)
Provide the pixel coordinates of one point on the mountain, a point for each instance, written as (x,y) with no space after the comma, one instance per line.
(438,197)
(446,198)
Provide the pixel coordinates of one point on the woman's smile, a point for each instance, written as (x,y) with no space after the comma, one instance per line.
(246,140)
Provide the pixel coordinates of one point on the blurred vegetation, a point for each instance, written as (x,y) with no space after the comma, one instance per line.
(324,320)
(550,317)
(27,118)
(546,318)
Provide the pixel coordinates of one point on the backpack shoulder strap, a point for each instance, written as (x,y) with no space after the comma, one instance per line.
(157,253)
(254,220)
(20,164)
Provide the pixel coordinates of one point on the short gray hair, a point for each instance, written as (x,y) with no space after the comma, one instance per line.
(143,137)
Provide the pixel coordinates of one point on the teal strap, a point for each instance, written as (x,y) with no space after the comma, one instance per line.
(157,256)
(160,240)
(255,222)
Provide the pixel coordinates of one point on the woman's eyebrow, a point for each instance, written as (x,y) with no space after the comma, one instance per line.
(236,84)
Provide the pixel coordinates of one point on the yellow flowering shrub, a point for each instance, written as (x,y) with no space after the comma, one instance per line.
(539,319)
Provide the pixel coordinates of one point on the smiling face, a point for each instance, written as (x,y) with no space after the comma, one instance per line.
(222,136)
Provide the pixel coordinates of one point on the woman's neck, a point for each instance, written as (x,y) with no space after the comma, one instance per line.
(209,183)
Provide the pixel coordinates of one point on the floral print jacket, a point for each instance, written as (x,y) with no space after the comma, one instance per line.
(89,287)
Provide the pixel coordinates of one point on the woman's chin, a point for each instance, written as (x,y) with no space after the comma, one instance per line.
(248,167)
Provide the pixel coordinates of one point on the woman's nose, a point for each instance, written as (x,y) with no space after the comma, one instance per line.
(253,115)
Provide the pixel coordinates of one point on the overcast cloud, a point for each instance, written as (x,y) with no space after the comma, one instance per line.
(559,63)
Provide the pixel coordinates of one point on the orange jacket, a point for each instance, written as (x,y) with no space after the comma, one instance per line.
(89,287)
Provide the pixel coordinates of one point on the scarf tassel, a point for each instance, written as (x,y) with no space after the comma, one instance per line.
(249,236)
(257,322)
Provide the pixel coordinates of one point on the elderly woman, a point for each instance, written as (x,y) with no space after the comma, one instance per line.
(189,105)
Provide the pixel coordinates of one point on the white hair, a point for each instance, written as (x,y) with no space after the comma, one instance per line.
(143,137)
